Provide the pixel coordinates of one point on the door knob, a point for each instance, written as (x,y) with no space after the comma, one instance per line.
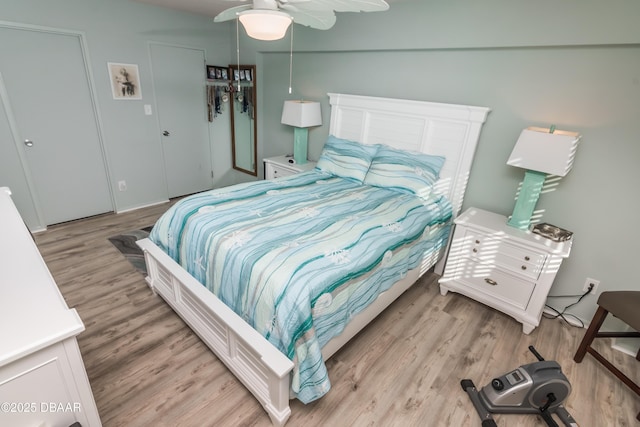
(166,133)
(28,143)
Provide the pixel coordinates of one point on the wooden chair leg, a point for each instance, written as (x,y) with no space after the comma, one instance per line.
(594,327)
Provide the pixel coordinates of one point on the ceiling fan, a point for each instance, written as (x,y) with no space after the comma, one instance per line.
(269,19)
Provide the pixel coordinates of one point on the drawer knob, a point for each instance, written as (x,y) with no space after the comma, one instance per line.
(477,242)
(490,281)
(524,267)
(475,250)
(526,258)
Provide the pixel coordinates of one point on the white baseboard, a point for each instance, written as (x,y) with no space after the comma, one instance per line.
(624,348)
(143,206)
(625,345)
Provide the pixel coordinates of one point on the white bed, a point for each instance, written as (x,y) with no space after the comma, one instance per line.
(433,128)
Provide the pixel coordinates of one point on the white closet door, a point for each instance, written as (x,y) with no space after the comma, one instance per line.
(48,93)
(179,85)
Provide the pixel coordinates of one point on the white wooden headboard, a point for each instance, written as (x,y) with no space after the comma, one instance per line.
(434,128)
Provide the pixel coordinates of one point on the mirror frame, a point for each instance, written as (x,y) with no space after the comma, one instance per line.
(233,84)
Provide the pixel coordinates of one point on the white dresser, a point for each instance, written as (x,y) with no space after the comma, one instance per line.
(43,381)
(503,267)
(279,166)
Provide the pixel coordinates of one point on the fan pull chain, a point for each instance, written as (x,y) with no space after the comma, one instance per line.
(291,59)
(238,53)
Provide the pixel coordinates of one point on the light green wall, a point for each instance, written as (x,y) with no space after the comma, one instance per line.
(120,31)
(574,64)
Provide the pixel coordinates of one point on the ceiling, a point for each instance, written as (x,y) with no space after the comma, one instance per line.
(200,7)
(204,7)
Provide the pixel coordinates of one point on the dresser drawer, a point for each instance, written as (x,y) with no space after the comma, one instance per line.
(38,390)
(496,283)
(497,252)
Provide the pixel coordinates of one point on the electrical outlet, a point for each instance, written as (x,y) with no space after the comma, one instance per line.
(589,282)
(122,185)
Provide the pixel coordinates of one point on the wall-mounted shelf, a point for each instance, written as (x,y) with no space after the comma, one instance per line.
(210,82)
(228,83)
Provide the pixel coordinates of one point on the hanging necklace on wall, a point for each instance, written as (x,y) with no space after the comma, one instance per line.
(237,73)
(291,59)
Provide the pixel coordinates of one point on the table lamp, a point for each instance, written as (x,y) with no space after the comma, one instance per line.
(539,151)
(301,115)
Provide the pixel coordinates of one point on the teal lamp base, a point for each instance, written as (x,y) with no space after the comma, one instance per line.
(527,199)
(300,136)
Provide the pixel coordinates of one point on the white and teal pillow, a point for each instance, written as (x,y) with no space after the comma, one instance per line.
(404,171)
(347,159)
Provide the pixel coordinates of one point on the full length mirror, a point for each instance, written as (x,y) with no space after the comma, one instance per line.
(244,143)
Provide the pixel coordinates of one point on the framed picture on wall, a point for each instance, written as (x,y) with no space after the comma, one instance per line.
(125,81)
(216,73)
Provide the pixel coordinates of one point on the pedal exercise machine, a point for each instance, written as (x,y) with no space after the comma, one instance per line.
(537,388)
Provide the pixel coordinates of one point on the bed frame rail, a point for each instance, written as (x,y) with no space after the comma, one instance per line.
(251,358)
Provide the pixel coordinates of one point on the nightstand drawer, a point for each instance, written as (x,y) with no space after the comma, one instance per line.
(496,252)
(279,172)
(281,166)
(497,284)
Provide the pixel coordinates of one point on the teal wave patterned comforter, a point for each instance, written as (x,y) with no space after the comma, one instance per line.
(297,257)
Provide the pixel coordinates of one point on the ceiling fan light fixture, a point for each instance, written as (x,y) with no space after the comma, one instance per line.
(265,24)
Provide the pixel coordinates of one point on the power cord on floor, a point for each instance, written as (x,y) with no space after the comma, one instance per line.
(563,313)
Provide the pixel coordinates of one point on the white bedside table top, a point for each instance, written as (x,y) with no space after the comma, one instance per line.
(284,161)
(497,224)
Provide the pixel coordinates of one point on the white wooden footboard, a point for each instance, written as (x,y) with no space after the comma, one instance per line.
(256,362)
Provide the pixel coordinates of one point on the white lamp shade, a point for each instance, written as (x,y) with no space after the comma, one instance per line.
(302,114)
(265,24)
(541,151)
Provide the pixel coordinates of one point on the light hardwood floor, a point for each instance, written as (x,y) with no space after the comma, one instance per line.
(147,368)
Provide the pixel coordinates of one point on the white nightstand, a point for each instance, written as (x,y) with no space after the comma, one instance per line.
(277,167)
(503,267)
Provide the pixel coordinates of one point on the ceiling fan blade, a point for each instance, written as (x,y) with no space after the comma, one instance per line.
(318,19)
(346,5)
(231,13)
(265,4)
(318,14)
